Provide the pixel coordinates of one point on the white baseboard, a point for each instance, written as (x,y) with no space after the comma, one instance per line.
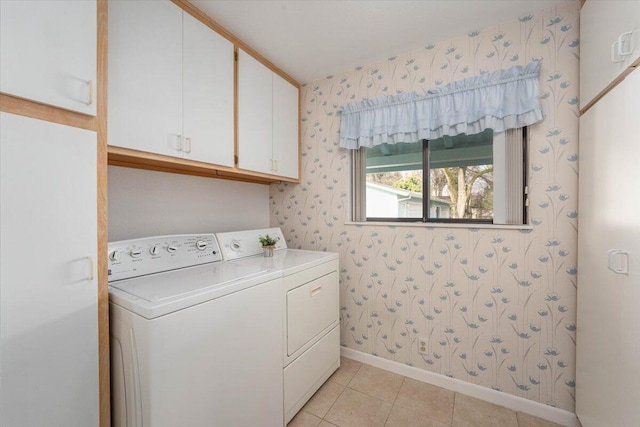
(546,412)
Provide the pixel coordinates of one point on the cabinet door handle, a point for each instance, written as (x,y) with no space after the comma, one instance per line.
(188,145)
(276,167)
(619,267)
(179,143)
(614,52)
(315,291)
(91,268)
(90,84)
(621,40)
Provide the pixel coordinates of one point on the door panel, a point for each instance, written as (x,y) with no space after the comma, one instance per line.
(145,76)
(208,94)
(608,356)
(285,127)
(628,208)
(48,52)
(255,104)
(48,290)
(601,22)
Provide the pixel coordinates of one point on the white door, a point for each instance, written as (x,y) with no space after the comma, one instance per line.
(207,93)
(145,76)
(48,286)
(285,127)
(606,28)
(255,127)
(48,52)
(629,239)
(608,341)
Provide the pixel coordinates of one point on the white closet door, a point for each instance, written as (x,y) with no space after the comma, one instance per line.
(48,286)
(48,52)
(285,127)
(628,206)
(598,296)
(255,127)
(608,341)
(145,76)
(207,94)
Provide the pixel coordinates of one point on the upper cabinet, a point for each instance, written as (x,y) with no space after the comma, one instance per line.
(48,52)
(267,120)
(170,83)
(285,127)
(609,44)
(179,101)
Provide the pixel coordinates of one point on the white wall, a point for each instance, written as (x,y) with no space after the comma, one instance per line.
(146,203)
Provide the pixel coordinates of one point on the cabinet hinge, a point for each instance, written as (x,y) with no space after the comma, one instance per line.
(235,160)
(235,55)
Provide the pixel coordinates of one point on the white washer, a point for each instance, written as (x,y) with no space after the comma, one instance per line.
(310,297)
(194,341)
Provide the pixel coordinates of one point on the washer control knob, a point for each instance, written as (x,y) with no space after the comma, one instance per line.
(135,253)
(172,249)
(201,245)
(155,250)
(114,256)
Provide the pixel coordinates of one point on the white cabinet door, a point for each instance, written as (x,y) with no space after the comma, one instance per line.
(145,76)
(207,93)
(48,286)
(285,128)
(628,205)
(48,52)
(602,23)
(608,344)
(255,106)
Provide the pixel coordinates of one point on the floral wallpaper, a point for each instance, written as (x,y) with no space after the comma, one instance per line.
(498,306)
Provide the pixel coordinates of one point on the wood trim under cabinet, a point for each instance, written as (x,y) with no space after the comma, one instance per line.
(36,110)
(611,85)
(103,286)
(205,19)
(126,157)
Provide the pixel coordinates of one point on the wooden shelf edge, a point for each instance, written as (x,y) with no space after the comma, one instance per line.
(124,157)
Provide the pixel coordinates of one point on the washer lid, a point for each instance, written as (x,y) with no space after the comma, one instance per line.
(158,294)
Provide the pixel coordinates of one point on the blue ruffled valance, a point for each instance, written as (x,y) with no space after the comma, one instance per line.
(501,100)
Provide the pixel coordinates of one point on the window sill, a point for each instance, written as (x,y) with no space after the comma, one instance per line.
(442,225)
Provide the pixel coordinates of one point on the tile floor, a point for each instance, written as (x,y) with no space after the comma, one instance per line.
(361,395)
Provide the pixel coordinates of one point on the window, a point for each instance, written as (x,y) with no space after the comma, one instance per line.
(469,178)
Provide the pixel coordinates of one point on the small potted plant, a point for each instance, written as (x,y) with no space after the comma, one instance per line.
(268,245)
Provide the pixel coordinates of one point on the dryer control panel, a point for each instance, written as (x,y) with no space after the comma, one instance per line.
(139,257)
(241,244)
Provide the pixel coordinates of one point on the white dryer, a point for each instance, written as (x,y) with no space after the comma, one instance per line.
(310,297)
(194,341)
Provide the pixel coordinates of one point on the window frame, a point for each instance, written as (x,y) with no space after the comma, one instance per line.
(359,159)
